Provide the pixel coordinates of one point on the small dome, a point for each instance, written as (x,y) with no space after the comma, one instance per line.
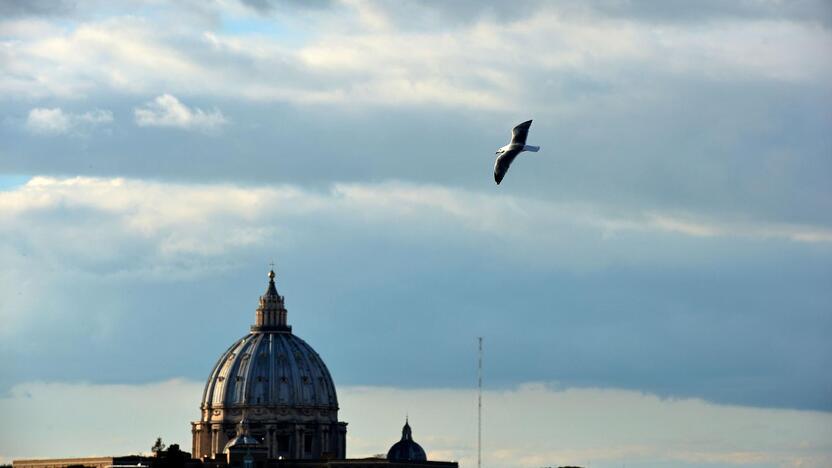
(406,449)
(243,440)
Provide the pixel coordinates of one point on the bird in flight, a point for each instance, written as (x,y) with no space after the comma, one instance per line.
(507,153)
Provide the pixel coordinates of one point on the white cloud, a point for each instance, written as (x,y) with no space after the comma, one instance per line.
(47,121)
(96,116)
(212,220)
(55,121)
(355,57)
(167,111)
(698,227)
(529,426)
(149,207)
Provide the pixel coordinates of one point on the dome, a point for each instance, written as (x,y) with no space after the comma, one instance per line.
(270,366)
(406,449)
(272,369)
(276,382)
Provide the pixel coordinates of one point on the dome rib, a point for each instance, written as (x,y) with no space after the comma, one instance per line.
(241,371)
(272,371)
(208,393)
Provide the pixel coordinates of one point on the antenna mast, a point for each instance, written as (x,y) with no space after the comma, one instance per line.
(479,407)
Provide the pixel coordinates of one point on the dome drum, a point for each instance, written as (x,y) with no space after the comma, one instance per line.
(257,413)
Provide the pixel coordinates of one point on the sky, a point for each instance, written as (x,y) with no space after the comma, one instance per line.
(665,259)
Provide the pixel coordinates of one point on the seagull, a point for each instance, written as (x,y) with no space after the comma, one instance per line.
(507,153)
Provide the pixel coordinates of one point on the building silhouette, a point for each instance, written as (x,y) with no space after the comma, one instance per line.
(406,449)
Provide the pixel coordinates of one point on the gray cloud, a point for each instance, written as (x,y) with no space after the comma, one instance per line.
(679,11)
(426,15)
(678,213)
(704,150)
(269,6)
(561,294)
(419,14)
(13,8)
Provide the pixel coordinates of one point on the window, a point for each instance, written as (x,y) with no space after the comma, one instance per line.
(283,443)
(307,443)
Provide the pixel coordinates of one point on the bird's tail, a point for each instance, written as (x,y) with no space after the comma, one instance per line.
(533,149)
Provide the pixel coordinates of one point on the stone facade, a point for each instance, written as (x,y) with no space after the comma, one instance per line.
(289,434)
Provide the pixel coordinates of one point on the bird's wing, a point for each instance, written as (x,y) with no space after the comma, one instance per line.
(520,132)
(502,164)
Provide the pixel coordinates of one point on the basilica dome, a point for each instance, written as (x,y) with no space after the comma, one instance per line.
(279,385)
(272,369)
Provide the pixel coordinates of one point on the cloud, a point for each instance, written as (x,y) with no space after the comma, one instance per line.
(168,111)
(269,6)
(55,121)
(702,228)
(530,425)
(11,8)
(182,229)
(810,11)
(207,219)
(673,234)
(673,304)
(409,14)
(349,61)
(605,91)
(48,121)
